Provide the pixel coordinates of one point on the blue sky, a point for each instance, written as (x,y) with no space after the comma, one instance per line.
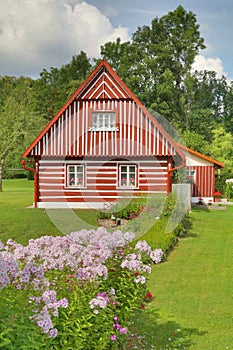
(38,34)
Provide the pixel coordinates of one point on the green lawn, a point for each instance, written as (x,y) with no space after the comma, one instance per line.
(192,306)
(21,222)
(193,290)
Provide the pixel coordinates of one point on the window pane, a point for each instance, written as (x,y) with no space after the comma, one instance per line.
(128,175)
(112,120)
(94,120)
(103,120)
(76,176)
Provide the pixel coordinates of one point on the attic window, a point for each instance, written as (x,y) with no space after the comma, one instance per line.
(103,121)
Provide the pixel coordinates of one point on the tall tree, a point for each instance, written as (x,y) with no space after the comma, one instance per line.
(157,61)
(55,86)
(18,123)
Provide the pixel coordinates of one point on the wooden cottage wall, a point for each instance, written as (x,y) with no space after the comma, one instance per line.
(204,185)
(101,182)
(71,134)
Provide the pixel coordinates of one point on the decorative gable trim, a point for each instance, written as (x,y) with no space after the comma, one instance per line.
(137,134)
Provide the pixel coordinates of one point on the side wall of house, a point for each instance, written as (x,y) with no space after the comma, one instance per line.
(204,181)
(102,185)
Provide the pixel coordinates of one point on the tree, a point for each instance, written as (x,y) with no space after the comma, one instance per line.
(195,141)
(157,61)
(18,123)
(54,87)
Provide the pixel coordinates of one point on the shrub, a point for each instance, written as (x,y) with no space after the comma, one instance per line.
(72,292)
(229,190)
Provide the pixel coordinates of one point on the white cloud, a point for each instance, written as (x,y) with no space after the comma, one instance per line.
(37,34)
(202,63)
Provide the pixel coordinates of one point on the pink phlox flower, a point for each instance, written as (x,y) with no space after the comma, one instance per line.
(52,333)
(123,330)
(117,326)
(98,302)
(156,255)
(143,247)
(113,337)
(140,279)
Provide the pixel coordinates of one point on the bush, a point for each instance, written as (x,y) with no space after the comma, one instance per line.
(229,190)
(72,292)
(14,174)
(124,209)
(161,222)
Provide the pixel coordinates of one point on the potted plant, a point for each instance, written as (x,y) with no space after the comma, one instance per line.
(217,195)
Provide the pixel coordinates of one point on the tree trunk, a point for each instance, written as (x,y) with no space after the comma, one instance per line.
(1,171)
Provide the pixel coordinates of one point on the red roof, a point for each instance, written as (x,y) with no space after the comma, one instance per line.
(198,154)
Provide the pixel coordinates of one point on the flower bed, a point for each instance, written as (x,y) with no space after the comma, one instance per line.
(73,292)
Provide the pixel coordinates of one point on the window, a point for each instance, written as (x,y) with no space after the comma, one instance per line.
(75,175)
(128,176)
(103,121)
(191,176)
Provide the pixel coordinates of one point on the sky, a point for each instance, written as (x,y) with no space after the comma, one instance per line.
(40,34)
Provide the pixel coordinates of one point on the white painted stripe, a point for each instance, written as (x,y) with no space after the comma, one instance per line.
(83,130)
(120,141)
(146,133)
(129,128)
(67,133)
(78,128)
(47,143)
(62,134)
(51,173)
(86,128)
(91,85)
(115,86)
(75,130)
(141,124)
(124,125)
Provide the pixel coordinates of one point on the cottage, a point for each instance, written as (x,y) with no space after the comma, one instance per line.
(101,146)
(201,172)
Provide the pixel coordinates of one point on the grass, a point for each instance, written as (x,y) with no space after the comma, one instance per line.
(193,290)
(21,223)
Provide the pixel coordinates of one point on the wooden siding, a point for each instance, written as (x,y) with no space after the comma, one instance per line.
(205,176)
(70,135)
(101,180)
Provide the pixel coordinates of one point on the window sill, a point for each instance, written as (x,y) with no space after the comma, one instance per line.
(128,187)
(103,129)
(74,187)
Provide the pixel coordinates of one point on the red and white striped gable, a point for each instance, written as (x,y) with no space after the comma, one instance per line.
(69,134)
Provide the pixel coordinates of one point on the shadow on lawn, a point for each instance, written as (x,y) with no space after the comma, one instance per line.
(154,334)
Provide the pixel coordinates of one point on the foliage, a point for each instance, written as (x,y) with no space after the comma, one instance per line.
(158,219)
(54,87)
(123,209)
(81,290)
(155,63)
(229,190)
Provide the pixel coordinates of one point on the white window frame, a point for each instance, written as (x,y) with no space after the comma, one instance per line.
(127,175)
(103,121)
(76,177)
(191,174)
